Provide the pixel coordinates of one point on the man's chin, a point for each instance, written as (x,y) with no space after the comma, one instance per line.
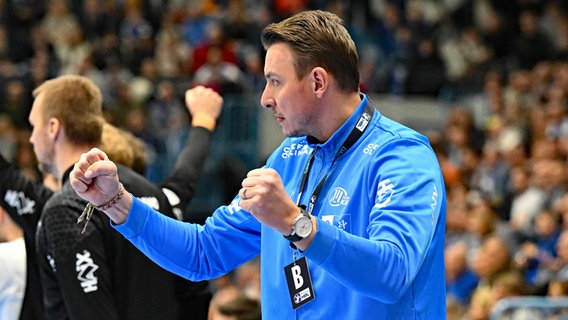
(294,132)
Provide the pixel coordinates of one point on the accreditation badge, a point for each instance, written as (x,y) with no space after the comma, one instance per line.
(299,281)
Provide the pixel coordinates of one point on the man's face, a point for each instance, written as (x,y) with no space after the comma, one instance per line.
(40,139)
(290,98)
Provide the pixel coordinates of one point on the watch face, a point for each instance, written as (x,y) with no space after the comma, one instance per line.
(303,226)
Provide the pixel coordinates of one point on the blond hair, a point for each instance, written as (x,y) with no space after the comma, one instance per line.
(77,103)
(123,147)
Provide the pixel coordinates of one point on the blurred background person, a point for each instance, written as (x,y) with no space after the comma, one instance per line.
(13,265)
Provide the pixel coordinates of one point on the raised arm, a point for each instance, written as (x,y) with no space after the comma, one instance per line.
(204,106)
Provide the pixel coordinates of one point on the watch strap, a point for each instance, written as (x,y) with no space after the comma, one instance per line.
(293,237)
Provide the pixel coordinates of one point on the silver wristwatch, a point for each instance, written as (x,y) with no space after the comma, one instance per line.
(302,226)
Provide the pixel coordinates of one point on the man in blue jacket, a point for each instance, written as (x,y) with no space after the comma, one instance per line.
(347,214)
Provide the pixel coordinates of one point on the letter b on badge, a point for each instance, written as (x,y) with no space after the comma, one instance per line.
(297,277)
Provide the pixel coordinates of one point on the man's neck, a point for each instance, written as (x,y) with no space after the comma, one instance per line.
(66,156)
(337,109)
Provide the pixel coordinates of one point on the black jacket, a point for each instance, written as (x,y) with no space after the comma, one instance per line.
(24,200)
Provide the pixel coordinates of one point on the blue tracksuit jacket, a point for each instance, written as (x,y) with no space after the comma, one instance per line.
(378,251)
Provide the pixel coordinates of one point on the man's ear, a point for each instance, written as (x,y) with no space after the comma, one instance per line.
(320,80)
(54,128)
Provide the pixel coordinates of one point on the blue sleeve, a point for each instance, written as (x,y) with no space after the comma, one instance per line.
(405,210)
(229,238)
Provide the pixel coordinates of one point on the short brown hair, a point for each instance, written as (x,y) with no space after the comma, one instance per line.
(318,38)
(77,103)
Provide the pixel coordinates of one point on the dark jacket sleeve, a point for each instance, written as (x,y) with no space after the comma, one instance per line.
(22,197)
(188,168)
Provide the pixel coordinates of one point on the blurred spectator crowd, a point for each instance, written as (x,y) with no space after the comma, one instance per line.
(501,64)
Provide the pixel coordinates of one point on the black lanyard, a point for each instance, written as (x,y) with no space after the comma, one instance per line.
(355,134)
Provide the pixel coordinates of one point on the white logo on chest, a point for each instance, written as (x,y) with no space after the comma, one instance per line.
(338,197)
